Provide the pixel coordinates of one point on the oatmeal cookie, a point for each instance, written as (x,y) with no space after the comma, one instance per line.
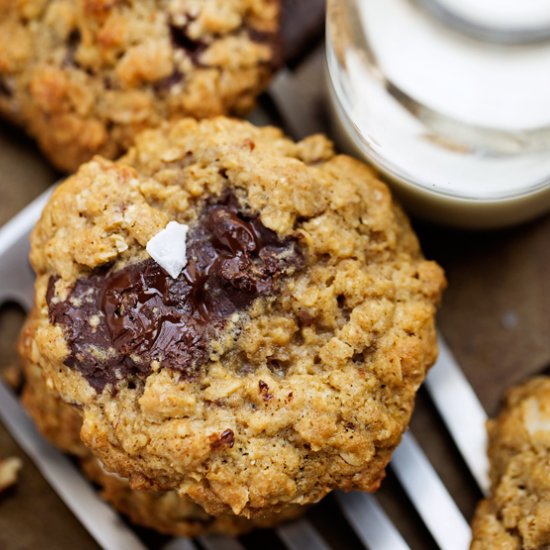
(58,422)
(282,363)
(517,513)
(83,76)
(166,512)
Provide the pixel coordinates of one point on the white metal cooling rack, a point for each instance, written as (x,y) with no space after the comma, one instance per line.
(454,398)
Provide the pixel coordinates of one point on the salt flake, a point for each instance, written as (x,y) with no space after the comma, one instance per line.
(168,248)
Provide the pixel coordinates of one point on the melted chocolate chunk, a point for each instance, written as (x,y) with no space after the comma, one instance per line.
(117,323)
(73,41)
(5,90)
(179,35)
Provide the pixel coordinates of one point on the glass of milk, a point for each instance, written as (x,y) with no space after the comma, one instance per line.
(450,99)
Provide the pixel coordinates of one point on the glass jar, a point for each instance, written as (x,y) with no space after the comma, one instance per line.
(450,99)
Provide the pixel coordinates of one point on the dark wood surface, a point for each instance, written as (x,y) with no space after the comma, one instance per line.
(495,316)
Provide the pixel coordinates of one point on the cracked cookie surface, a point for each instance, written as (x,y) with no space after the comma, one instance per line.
(307,384)
(517,513)
(84,76)
(166,512)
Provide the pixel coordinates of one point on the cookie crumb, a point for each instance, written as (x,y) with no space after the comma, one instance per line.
(13,376)
(9,469)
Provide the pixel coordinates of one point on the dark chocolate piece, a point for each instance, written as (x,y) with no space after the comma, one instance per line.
(117,322)
(181,39)
(179,34)
(5,90)
(73,41)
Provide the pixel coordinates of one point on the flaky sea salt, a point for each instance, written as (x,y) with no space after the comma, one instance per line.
(168,248)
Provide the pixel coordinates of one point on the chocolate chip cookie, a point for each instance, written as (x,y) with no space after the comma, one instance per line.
(83,76)
(517,513)
(281,362)
(166,512)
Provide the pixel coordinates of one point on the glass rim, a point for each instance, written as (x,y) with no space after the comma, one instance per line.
(497,35)
(393,172)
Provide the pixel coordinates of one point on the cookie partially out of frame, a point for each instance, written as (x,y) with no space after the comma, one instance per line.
(517,513)
(84,76)
(282,363)
(166,512)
